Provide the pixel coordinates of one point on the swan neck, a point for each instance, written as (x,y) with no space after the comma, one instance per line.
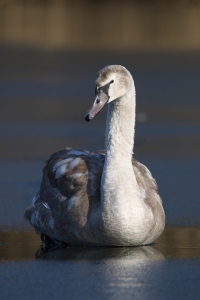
(120,128)
(118,183)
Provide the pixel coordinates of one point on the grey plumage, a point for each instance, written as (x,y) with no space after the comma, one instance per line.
(59,219)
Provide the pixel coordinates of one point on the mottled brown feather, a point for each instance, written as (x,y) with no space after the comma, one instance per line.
(57,192)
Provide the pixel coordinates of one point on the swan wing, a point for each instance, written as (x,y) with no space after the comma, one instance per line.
(70,187)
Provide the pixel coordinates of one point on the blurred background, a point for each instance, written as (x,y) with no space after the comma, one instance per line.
(50,53)
(102,25)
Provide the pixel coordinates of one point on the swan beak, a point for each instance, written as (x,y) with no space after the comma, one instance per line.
(99,102)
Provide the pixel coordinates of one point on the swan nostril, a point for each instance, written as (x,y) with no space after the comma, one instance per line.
(98,100)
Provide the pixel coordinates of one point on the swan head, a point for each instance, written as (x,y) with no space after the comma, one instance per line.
(113,82)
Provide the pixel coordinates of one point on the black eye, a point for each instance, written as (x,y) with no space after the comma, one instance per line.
(98,100)
(112,81)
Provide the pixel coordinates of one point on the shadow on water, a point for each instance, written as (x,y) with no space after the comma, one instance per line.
(174,243)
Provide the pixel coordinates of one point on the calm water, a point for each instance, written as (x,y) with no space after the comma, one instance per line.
(175,243)
(172,263)
(43,99)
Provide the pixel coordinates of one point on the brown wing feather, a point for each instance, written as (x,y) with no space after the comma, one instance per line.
(67,194)
(80,183)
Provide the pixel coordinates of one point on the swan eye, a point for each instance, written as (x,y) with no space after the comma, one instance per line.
(112,81)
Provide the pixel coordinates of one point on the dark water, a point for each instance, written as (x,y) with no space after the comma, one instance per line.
(175,243)
(43,99)
(171,265)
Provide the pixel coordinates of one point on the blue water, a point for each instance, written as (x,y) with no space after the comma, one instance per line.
(117,278)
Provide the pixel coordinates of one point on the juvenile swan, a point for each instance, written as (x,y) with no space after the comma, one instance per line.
(103,198)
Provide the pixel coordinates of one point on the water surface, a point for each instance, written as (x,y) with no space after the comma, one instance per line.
(43,98)
(173,243)
(169,268)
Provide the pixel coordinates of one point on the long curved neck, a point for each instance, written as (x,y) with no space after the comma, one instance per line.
(118,182)
(120,129)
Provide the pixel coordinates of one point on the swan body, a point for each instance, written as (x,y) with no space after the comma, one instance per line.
(103,198)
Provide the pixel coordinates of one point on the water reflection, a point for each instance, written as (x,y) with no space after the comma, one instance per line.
(103,253)
(18,245)
(180,243)
(174,243)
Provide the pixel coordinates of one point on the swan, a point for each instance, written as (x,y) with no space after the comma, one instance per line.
(102,198)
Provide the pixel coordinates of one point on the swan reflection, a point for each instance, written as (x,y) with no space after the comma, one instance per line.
(103,253)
